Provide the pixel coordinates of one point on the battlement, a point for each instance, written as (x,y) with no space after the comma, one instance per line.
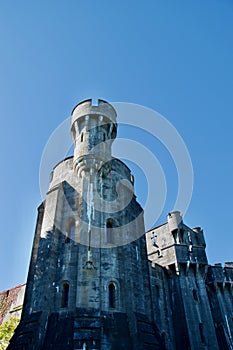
(176,243)
(219,274)
(86,107)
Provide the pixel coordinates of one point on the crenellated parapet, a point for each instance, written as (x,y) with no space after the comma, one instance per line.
(222,275)
(174,244)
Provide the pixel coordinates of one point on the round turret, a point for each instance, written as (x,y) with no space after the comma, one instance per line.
(93,129)
(174,220)
(86,108)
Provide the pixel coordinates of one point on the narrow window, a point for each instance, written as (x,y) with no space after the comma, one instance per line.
(201,332)
(112,295)
(195,296)
(104,137)
(82,137)
(65,294)
(109,226)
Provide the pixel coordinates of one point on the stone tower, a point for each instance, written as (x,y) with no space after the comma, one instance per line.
(88,284)
(180,250)
(96,281)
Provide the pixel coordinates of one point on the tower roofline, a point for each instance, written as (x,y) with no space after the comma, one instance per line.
(87,107)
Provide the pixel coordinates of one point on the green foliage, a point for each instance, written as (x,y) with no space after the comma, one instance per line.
(6,331)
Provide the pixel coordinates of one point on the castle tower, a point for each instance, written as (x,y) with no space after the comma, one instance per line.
(88,282)
(180,250)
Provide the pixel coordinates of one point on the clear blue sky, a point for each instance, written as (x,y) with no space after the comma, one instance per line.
(172,56)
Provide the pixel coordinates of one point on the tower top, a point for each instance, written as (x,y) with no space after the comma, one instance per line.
(93,128)
(86,107)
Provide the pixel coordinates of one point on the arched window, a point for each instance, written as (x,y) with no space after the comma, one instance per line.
(202,336)
(109,231)
(65,294)
(70,231)
(112,295)
(195,295)
(82,137)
